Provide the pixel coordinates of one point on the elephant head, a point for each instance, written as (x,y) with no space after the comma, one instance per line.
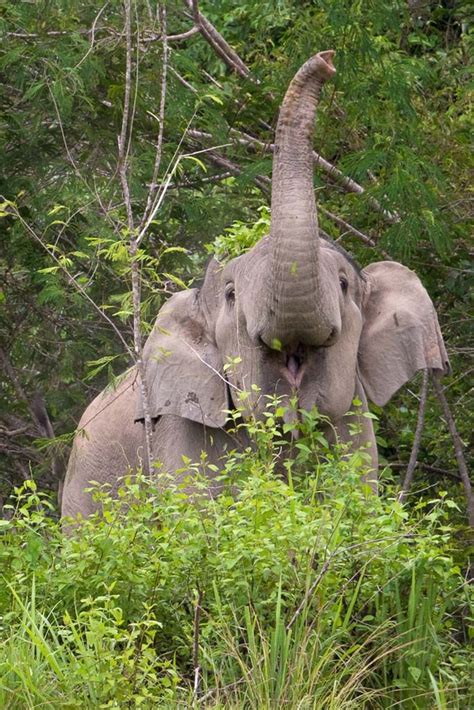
(295,315)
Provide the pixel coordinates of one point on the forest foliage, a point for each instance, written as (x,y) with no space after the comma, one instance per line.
(396,124)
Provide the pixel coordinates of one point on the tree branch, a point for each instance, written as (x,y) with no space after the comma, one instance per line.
(133,243)
(417,441)
(161,118)
(458,446)
(218,43)
(426,467)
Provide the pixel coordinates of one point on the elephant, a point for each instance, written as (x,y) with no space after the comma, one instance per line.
(295,316)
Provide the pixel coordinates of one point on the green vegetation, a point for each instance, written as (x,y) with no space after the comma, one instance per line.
(397,120)
(307,592)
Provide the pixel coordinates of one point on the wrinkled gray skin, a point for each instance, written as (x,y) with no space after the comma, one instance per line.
(296,311)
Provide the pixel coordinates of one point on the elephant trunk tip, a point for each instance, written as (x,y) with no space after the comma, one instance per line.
(326,63)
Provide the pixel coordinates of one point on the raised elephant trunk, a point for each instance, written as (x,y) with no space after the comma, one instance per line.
(295,293)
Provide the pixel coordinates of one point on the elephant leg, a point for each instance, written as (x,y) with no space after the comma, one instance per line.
(358,431)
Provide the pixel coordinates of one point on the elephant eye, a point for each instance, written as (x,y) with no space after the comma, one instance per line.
(344,284)
(230,294)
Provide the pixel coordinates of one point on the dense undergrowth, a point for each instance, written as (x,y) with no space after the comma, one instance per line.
(302,590)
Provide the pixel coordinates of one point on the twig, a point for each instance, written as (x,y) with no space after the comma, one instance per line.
(262,181)
(92,34)
(196,632)
(152,37)
(133,243)
(417,441)
(458,446)
(209,179)
(182,80)
(171,38)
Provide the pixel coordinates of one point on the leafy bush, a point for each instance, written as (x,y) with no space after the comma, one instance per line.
(296,587)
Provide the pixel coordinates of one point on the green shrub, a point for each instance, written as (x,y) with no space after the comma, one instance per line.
(300,590)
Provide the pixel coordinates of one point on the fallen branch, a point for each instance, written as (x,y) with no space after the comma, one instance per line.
(417,441)
(458,447)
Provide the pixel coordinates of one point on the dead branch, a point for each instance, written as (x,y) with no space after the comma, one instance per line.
(417,441)
(330,170)
(161,117)
(348,228)
(458,446)
(123,141)
(217,42)
(232,59)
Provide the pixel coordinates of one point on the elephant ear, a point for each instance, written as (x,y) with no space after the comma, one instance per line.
(182,365)
(400,335)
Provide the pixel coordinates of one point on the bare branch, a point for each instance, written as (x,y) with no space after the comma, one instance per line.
(171,38)
(92,34)
(218,43)
(262,181)
(161,118)
(426,467)
(348,228)
(328,168)
(417,441)
(209,179)
(458,446)
(182,80)
(133,243)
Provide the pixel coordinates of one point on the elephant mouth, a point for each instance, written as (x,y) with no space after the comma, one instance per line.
(294,367)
